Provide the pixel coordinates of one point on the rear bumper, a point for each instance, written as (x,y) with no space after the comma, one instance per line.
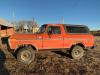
(93,47)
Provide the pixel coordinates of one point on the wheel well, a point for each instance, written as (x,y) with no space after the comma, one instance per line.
(22,46)
(79,44)
(33,47)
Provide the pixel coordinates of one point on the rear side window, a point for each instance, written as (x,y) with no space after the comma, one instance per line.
(77,29)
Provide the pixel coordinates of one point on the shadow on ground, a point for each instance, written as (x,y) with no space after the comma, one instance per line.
(62,53)
(3,70)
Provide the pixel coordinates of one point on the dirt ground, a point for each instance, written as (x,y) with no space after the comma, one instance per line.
(53,63)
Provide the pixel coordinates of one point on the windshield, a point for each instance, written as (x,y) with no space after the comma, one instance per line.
(42,29)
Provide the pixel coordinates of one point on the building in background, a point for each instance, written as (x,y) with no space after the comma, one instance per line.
(35,28)
(6,28)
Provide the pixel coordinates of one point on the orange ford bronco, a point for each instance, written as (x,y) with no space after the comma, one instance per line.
(73,38)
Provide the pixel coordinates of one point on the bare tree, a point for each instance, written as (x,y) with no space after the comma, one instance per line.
(28,26)
(31,25)
(21,26)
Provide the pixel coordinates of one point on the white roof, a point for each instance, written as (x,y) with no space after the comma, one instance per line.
(5,23)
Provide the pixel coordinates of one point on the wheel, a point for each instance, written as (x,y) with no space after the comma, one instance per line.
(77,52)
(26,55)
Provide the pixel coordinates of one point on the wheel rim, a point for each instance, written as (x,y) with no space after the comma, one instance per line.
(26,55)
(78,53)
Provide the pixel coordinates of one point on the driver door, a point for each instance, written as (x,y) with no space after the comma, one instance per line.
(53,38)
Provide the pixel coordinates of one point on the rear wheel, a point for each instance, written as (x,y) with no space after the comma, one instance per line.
(26,55)
(77,52)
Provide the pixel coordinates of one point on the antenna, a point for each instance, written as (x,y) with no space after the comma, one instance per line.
(62,20)
(13,14)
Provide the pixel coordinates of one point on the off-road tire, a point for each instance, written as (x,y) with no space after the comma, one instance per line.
(77,52)
(26,55)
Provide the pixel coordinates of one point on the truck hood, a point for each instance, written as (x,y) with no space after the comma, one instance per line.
(23,36)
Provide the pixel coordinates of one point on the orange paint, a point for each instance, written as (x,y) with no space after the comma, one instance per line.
(51,41)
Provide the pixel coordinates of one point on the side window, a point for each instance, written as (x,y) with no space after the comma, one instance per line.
(75,29)
(54,30)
